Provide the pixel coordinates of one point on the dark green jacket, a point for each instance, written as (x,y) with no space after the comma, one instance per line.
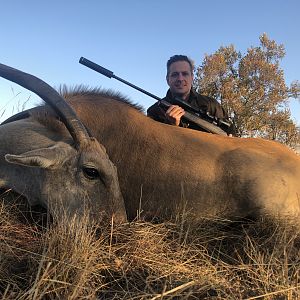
(199,102)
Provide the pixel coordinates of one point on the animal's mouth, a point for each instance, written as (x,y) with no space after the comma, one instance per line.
(18,205)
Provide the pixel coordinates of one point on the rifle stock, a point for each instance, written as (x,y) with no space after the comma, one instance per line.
(192,118)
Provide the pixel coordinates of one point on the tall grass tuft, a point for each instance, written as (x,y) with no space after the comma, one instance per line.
(213,259)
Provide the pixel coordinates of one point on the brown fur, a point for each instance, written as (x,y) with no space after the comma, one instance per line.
(164,170)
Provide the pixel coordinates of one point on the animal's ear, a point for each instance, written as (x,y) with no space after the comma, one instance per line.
(43,158)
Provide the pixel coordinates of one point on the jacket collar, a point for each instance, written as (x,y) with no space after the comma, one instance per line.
(191,96)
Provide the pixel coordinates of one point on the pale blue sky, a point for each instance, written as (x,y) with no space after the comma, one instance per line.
(134,39)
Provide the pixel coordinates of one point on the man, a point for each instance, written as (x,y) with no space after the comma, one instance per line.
(180,78)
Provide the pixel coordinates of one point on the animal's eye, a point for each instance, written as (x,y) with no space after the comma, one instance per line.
(90,173)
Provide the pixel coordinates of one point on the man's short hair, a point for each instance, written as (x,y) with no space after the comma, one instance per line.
(176,58)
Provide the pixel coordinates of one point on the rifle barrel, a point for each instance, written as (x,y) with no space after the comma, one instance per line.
(110,74)
(208,126)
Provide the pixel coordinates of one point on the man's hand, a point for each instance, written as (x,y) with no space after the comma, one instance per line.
(174,114)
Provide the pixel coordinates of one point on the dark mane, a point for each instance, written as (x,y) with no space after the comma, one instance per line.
(82,90)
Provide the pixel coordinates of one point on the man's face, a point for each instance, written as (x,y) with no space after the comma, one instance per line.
(180,79)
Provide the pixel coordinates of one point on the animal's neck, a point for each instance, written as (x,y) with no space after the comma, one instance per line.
(117,126)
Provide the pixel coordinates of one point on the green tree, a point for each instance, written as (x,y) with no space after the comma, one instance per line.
(252,88)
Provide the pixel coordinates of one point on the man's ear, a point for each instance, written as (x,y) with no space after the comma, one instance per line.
(167,79)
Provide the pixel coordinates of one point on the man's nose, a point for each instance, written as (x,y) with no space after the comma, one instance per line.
(180,76)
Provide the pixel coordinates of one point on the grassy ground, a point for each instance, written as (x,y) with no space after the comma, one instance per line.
(214,259)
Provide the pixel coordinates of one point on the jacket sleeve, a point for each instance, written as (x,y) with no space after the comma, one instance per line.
(216,110)
(156,113)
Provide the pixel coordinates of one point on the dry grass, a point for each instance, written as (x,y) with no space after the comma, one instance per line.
(214,259)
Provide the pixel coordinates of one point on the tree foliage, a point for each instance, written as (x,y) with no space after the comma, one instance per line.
(252,88)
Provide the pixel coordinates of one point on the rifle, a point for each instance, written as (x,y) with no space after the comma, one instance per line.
(196,116)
